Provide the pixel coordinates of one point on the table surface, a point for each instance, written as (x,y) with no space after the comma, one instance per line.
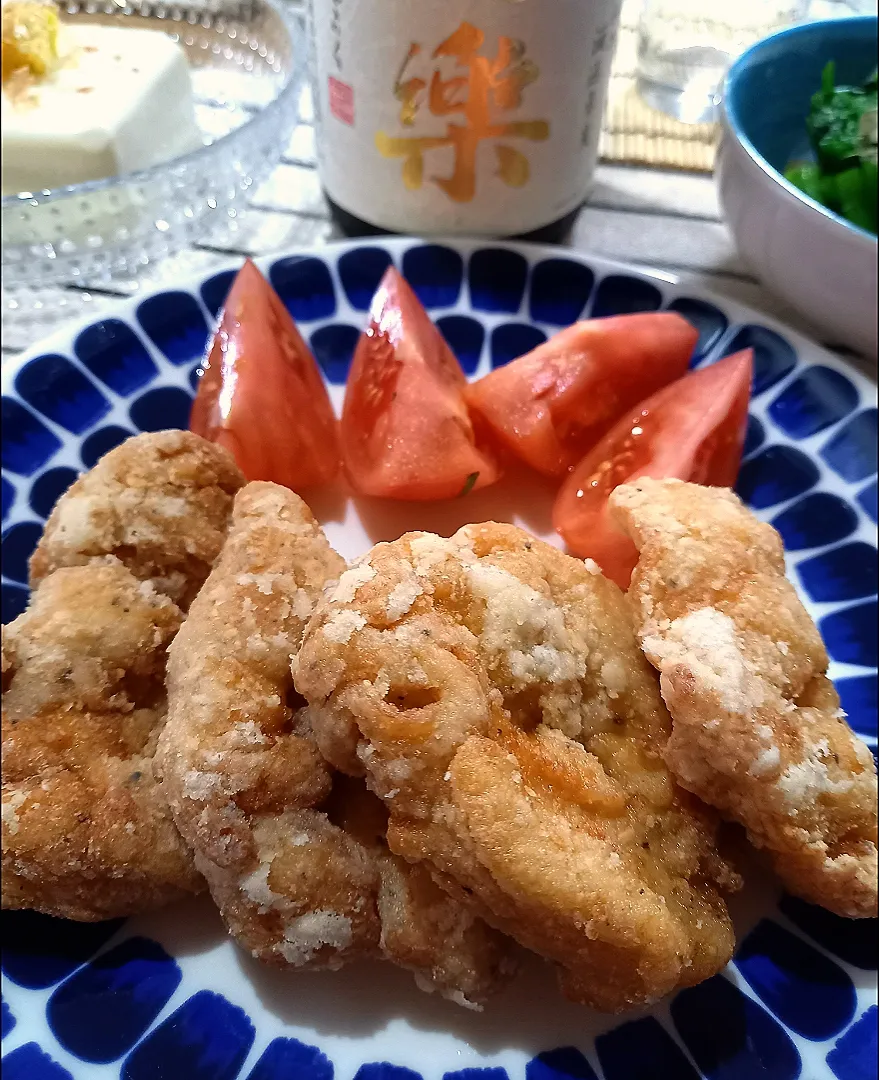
(653,218)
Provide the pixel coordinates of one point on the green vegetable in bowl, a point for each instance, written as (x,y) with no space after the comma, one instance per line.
(842,130)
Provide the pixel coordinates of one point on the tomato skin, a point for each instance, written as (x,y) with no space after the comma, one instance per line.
(692,430)
(552,405)
(262,395)
(406,432)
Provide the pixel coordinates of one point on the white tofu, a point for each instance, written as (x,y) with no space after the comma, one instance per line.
(120,100)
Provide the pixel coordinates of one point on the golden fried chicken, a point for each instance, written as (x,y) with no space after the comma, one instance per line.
(159,502)
(493,693)
(301,879)
(757,728)
(86,832)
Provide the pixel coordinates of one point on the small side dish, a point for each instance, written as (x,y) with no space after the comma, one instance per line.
(842,133)
(85,102)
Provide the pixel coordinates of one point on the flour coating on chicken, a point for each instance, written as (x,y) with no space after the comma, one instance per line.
(758,730)
(295,860)
(87,833)
(159,502)
(491,690)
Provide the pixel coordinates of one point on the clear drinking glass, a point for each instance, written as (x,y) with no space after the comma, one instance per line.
(686,46)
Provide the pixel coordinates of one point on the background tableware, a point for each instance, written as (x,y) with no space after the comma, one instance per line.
(247,64)
(169,994)
(821,264)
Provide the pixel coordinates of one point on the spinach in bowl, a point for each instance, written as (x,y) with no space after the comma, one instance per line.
(842,131)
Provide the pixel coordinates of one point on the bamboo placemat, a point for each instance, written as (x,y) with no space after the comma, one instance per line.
(635,134)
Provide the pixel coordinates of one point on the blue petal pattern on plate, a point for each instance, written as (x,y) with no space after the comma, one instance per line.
(850,634)
(465,337)
(381,1070)
(29,1062)
(642,1050)
(8,497)
(807,992)
(854,1056)
(215,290)
(869,500)
(755,436)
(858,699)
(39,951)
(209,1038)
(511,340)
(497,279)
(566,1063)
(54,387)
(360,271)
(774,357)
(730,1036)
(709,320)
(305,286)
(159,409)
(101,442)
(852,450)
(48,488)
(17,546)
(113,353)
(205,1039)
(477,1074)
(817,520)
(775,475)
(559,292)
(7,1020)
(333,347)
(290,1059)
(435,274)
(847,572)
(854,940)
(101,1011)
(813,401)
(27,443)
(619,294)
(174,323)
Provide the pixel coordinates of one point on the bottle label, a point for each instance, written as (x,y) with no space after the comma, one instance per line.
(476,116)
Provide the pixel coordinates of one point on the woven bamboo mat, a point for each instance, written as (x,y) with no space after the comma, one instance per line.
(635,134)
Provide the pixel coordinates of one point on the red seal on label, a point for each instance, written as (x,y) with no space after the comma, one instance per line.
(341,100)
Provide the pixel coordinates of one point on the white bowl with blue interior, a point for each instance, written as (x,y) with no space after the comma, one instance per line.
(817,261)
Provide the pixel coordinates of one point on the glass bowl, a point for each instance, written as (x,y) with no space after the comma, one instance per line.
(247,62)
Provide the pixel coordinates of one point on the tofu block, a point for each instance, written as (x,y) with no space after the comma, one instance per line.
(120,100)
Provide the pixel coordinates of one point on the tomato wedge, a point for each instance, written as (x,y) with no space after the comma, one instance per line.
(692,430)
(552,405)
(406,432)
(262,395)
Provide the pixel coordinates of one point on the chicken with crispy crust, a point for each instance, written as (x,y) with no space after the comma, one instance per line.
(159,502)
(300,872)
(86,831)
(757,727)
(491,690)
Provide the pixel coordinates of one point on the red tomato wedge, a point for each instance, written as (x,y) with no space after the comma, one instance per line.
(552,405)
(406,432)
(692,430)
(262,395)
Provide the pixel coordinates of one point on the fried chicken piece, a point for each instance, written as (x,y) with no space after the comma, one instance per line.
(159,502)
(86,832)
(492,691)
(299,881)
(757,728)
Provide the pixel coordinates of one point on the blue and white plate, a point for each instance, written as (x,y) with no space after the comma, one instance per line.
(168,995)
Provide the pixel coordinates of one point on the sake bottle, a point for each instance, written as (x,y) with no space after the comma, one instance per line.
(476,117)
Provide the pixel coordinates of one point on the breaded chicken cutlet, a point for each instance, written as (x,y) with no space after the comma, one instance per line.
(300,872)
(491,690)
(87,833)
(757,727)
